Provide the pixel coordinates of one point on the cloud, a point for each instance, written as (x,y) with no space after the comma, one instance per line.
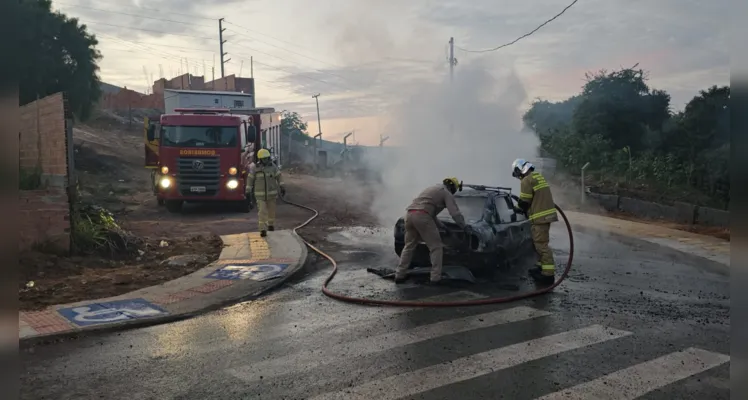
(375,55)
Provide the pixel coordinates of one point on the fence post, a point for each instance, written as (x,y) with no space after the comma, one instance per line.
(583,185)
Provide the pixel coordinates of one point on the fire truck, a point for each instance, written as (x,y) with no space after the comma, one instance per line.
(203,154)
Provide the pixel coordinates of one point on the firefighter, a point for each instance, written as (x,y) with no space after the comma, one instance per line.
(421,225)
(265,182)
(536,201)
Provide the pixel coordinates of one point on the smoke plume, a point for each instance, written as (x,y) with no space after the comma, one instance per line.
(469,128)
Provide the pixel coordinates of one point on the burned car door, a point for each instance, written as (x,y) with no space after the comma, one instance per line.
(513,223)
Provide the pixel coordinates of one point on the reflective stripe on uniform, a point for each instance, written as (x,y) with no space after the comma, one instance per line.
(525,195)
(548,267)
(541,214)
(541,182)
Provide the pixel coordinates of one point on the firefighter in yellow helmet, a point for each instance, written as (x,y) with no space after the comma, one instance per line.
(421,225)
(265,182)
(536,200)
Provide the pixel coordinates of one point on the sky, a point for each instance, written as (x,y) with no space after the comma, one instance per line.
(365,58)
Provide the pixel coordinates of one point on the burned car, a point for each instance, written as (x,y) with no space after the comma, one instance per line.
(498,234)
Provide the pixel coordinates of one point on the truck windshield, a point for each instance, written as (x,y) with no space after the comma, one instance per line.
(199,136)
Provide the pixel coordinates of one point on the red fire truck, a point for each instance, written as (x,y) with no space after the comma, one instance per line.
(203,155)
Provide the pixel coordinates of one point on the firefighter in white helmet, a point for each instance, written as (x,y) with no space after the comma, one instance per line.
(265,182)
(536,200)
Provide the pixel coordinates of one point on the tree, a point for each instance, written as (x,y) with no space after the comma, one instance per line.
(59,56)
(293,124)
(621,107)
(546,117)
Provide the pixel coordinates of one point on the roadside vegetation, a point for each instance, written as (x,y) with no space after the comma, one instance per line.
(635,144)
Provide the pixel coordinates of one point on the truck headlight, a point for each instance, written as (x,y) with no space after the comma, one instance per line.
(165,183)
(164,170)
(232,184)
(232,171)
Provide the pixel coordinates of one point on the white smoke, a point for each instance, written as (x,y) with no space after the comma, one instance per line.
(484,112)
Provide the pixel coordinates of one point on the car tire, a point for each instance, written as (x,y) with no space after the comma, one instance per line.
(399,248)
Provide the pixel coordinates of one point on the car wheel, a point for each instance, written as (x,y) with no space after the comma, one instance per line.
(399,248)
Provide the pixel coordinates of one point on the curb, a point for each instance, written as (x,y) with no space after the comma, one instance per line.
(24,343)
(712,265)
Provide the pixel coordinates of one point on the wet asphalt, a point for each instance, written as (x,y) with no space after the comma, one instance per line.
(624,304)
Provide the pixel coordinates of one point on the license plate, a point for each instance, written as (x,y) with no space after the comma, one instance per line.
(197,189)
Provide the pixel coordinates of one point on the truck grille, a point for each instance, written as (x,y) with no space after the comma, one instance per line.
(198,173)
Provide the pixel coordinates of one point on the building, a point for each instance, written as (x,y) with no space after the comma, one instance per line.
(175,98)
(123,99)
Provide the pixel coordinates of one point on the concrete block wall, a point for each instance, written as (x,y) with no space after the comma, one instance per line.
(683,213)
(44,214)
(44,219)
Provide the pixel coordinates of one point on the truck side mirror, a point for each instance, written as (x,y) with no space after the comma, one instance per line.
(251,134)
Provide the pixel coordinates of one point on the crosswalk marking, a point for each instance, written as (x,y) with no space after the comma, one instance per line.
(343,317)
(315,357)
(418,381)
(638,380)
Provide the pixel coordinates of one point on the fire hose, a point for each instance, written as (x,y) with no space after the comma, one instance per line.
(412,303)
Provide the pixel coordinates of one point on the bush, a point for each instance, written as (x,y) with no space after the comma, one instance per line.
(95,231)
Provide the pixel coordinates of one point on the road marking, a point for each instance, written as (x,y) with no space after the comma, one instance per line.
(462,369)
(340,320)
(638,380)
(369,345)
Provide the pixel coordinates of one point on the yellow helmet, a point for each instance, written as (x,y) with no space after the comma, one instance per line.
(263,153)
(454,182)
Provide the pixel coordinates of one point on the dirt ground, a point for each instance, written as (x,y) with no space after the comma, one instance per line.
(109,162)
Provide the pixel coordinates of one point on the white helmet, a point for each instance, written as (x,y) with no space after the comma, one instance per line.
(521,167)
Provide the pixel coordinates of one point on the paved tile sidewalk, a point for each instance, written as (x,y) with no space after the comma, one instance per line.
(248,266)
(708,247)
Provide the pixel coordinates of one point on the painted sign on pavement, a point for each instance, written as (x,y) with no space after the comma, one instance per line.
(253,271)
(113,311)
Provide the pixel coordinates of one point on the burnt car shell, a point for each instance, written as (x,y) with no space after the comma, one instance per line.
(499,234)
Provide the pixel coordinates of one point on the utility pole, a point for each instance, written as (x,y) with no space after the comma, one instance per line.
(319,124)
(452,61)
(251,68)
(221,42)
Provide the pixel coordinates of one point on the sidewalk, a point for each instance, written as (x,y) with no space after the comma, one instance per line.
(708,247)
(248,266)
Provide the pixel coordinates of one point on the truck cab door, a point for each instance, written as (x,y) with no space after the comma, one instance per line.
(151,128)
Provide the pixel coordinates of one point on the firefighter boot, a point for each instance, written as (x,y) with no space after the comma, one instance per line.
(542,278)
(263,233)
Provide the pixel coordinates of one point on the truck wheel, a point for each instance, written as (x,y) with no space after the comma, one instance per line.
(174,206)
(244,206)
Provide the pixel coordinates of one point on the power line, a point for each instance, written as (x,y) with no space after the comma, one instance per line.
(279,40)
(521,37)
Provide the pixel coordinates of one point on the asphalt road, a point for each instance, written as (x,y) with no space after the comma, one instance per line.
(631,322)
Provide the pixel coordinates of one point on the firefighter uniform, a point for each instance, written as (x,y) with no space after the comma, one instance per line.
(421,225)
(542,212)
(266,181)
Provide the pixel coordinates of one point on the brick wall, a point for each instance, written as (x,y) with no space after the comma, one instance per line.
(44,214)
(127,98)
